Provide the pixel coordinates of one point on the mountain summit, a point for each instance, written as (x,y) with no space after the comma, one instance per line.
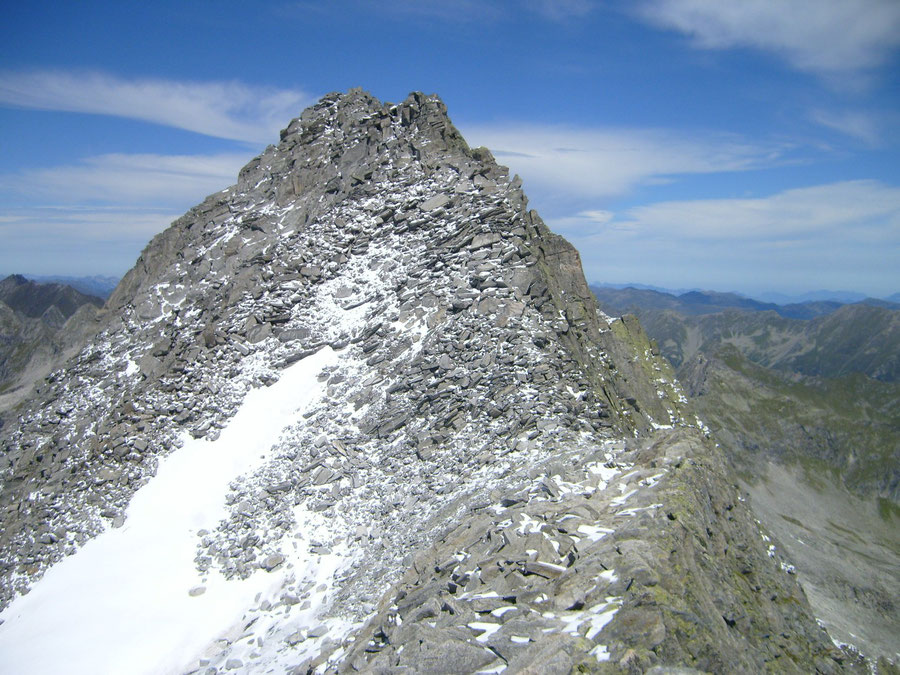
(359,412)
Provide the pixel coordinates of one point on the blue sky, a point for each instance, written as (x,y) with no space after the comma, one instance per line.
(743,145)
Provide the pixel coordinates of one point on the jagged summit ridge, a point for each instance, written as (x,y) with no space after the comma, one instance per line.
(54,303)
(272,283)
(467,402)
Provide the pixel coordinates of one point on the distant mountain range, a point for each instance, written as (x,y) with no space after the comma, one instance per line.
(763,298)
(35,300)
(40,326)
(98,285)
(695,302)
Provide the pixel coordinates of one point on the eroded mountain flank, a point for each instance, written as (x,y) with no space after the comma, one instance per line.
(395,435)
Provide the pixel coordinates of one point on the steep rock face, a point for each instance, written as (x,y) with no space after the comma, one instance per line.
(477,443)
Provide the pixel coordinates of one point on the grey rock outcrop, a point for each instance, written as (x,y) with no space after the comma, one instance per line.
(514,481)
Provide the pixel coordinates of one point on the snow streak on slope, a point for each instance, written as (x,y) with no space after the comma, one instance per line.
(122,603)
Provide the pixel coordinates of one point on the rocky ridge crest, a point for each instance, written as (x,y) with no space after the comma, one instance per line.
(504,477)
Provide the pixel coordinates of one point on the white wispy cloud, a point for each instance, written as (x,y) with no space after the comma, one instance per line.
(122,179)
(599,163)
(231,110)
(859,209)
(856,124)
(844,234)
(596,216)
(97,215)
(836,37)
(46,224)
(77,240)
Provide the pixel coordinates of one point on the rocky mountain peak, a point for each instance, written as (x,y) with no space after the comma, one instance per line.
(54,302)
(357,117)
(12,281)
(354,137)
(414,422)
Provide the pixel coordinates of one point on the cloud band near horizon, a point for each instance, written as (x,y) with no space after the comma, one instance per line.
(230,110)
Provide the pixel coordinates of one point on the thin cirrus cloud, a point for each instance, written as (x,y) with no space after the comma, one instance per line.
(827,38)
(603,163)
(861,210)
(844,234)
(176,181)
(98,214)
(43,225)
(856,124)
(230,110)
(72,239)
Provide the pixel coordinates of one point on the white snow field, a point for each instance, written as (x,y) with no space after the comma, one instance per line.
(120,604)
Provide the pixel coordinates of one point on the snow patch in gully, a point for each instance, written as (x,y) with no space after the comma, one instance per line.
(130,601)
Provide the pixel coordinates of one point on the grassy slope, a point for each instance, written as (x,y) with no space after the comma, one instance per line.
(853,339)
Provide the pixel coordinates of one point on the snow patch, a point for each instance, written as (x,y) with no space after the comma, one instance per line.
(121,603)
(594,532)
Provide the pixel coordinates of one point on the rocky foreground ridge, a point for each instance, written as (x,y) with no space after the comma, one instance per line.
(493,476)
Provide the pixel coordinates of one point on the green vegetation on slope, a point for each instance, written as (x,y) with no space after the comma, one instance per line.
(853,339)
(846,427)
